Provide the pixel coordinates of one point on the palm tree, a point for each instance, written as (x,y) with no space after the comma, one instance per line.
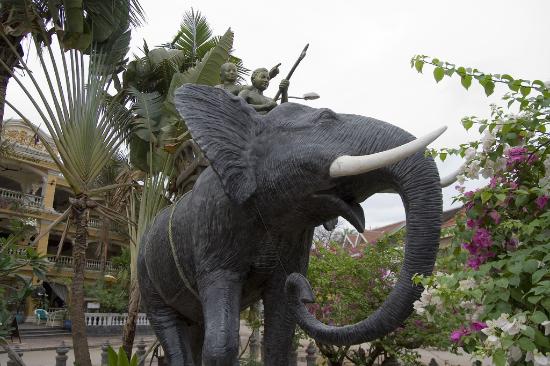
(86,132)
(79,24)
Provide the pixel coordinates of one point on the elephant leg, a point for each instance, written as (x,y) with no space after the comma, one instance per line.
(221,297)
(279,325)
(196,337)
(170,328)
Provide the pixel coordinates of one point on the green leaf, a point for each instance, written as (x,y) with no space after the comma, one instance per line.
(531,265)
(489,87)
(500,197)
(529,332)
(439,73)
(514,85)
(541,340)
(418,65)
(502,282)
(486,196)
(466,81)
(499,358)
(112,357)
(449,72)
(467,123)
(526,344)
(122,357)
(442,156)
(536,277)
(525,90)
(134,360)
(207,71)
(538,317)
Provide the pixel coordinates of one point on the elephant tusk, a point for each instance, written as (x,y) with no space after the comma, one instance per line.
(451,178)
(353,165)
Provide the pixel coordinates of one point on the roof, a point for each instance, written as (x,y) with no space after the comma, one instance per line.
(448,219)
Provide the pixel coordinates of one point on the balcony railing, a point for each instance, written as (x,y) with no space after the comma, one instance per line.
(112,319)
(91,264)
(96,223)
(23,199)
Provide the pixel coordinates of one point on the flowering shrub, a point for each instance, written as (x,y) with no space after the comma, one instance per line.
(500,297)
(350,284)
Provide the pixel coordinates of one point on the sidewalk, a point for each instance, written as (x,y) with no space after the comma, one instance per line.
(51,343)
(41,351)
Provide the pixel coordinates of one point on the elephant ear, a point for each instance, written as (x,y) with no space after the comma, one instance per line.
(223,126)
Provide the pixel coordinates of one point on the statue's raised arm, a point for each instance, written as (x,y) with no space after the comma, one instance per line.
(254,95)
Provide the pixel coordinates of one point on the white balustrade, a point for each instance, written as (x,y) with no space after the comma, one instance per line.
(112,319)
(21,198)
(91,264)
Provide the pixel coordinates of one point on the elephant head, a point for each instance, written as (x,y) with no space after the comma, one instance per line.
(300,167)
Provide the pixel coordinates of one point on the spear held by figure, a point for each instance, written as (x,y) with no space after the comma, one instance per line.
(302,55)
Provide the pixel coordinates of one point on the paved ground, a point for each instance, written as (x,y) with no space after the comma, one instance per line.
(41,351)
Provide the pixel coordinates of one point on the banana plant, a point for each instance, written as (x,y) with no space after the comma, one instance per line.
(149,82)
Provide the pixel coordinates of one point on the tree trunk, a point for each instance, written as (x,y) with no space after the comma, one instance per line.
(10,58)
(3,88)
(80,342)
(105,227)
(130,327)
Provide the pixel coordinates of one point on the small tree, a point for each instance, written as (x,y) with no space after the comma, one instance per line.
(351,283)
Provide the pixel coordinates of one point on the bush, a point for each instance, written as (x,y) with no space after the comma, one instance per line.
(350,284)
(500,296)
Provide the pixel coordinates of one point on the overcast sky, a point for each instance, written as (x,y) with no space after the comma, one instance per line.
(358,59)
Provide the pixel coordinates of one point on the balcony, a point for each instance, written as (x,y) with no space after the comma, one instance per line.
(9,198)
(91,264)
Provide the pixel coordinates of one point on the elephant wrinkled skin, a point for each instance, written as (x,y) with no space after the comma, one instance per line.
(248,224)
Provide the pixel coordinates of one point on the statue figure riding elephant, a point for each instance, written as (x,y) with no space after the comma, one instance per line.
(245,230)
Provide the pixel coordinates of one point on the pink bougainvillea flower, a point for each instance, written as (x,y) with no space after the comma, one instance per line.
(457,334)
(473,263)
(482,237)
(541,201)
(477,326)
(516,155)
(470,247)
(495,216)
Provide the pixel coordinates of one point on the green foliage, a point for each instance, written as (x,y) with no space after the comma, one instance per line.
(499,287)
(13,258)
(120,358)
(113,296)
(150,81)
(350,284)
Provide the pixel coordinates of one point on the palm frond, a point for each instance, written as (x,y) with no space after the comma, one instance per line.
(73,109)
(206,71)
(193,36)
(145,205)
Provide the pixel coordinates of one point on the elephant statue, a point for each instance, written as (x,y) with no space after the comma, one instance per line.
(245,231)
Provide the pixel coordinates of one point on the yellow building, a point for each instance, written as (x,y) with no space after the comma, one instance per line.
(33,189)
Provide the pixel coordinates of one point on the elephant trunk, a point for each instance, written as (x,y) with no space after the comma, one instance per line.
(417,180)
